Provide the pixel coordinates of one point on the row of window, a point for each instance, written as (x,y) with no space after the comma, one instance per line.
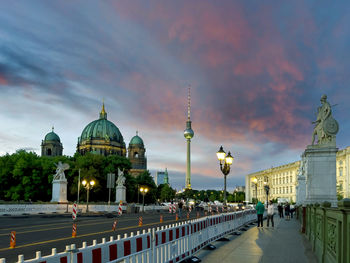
(278,190)
(284,180)
(283,190)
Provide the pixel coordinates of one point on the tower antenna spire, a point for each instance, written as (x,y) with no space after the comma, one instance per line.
(189,103)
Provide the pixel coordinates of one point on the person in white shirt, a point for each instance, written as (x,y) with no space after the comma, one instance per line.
(270,213)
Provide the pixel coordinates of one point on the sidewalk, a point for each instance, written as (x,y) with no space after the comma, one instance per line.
(284,243)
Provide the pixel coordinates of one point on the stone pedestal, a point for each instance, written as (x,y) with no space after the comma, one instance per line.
(120,194)
(321,181)
(301,190)
(59,191)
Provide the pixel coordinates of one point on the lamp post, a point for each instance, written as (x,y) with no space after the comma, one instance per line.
(88,185)
(267,190)
(143,191)
(225,163)
(255,183)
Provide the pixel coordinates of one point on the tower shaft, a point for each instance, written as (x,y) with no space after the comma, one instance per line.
(188,170)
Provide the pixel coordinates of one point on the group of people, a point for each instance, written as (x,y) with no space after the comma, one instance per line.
(260,209)
(288,210)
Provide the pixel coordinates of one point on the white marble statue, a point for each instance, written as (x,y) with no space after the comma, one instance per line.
(120,193)
(121,178)
(61,167)
(325,126)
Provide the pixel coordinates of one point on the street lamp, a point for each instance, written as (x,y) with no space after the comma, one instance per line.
(267,190)
(143,191)
(255,183)
(225,163)
(88,185)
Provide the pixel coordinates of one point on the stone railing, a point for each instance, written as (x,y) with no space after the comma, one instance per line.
(328,230)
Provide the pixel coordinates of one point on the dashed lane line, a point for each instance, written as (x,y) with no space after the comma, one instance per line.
(84,235)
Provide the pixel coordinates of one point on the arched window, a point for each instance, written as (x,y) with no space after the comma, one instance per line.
(49,152)
(136,155)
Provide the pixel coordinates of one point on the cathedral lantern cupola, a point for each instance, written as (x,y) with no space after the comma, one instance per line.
(136,155)
(51,145)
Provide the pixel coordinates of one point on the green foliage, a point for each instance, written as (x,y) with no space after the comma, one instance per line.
(165,193)
(145,179)
(27,176)
(340,192)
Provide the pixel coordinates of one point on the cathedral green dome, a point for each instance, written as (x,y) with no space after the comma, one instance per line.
(136,140)
(51,136)
(102,129)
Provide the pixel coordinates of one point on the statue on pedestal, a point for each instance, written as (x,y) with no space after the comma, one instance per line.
(325,126)
(59,184)
(120,193)
(319,169)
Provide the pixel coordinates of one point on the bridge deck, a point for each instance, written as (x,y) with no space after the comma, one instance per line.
(283,243)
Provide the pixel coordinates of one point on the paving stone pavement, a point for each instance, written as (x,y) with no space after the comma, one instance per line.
(283,243)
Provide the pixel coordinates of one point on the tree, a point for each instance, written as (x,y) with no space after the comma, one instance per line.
(340,192)
(145,179)
(166,192)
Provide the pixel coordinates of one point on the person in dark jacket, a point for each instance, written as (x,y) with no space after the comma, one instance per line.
(260,212)
(180,205)
(287,211)
(280,210)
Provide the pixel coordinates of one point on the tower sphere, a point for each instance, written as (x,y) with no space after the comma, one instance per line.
(188,133)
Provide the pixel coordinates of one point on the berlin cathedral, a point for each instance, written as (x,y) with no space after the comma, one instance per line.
(101,137)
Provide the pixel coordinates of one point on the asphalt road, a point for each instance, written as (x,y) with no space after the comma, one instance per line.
(44,232)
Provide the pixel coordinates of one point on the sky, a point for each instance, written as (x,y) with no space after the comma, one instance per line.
(257,71)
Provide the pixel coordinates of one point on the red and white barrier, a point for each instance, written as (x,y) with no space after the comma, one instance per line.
(74,211)
(172,243)
(120,209)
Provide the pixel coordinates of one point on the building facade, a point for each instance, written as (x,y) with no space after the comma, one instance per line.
(162,177)
(282,180)
(103,137)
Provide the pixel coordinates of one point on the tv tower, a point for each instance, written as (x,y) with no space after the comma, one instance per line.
(188,134)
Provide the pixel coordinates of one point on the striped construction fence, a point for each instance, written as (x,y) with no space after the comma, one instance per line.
(171,243)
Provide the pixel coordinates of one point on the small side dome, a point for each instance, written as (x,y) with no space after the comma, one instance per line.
(52,136)
(136,140)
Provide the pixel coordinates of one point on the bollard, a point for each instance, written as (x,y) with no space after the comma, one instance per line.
(140,221)
(74,230)
(161,219)
(176,217)
(114,225)
(13,239)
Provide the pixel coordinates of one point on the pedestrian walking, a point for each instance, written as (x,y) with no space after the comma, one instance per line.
(292,210)
(280,210)
(270,213)
(260,212)
(180,204)
(287,211)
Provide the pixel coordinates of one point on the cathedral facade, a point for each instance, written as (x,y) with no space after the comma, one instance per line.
(102,137)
